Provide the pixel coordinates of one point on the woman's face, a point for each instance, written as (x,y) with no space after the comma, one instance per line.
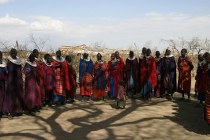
(85,55)
(49,59)
(13,54)
(144,50)
(131,54)
(58,54)
(99,56)
(183,53)
(168,52)
(157,54)
(148,52)
(36,53)
(112,56)
(117,55)
(68,59)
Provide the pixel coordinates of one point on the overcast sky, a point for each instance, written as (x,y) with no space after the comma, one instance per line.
(113,23)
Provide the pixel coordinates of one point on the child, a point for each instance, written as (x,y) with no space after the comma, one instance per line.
(49,80)
(121,101)
(2,83)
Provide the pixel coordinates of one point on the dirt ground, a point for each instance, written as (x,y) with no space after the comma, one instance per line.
(158,119)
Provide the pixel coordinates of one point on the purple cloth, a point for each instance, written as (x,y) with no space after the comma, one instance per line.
(158,86)
(31,86)
(2,86)
(168,71)
(100,77)
(13,102)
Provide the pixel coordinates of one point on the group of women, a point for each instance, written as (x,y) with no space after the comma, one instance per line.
(53,79)
(145,75)
(47,82)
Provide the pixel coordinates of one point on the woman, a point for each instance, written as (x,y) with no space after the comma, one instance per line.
(148,75)
(100,78)
(72,80)
(3,74)
(61,78)
(121,63)
(168,72)
(49,80)
(113,76)
(40,74)
(207,93)
(13,103)
(158,61)
(31,83)
(185,67)
(131,73)
(85,75)
(199,93)
(142,69)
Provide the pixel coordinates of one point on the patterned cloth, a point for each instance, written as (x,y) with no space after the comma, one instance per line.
(61,77)
(113,78)
(49,78)
(168,75)
(184,67)
(85,77)
(40,73)
(59,83)
(207,99)
(148,75)
(157,89)
(121,93)
(100,76)
(86,85)
(121,63)
(31,86)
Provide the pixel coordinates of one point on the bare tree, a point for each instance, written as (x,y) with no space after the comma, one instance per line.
(148,44)
(176,45)
(38,43)
(206,44)
(21,48)
(6,45)
(97,46)
(196,45)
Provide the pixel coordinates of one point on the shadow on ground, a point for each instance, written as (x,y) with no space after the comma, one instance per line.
(190,116)
(185,114)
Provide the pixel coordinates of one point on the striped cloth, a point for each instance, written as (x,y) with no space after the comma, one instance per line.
(207,107)
(86,85)
(207,99)
(59,83)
